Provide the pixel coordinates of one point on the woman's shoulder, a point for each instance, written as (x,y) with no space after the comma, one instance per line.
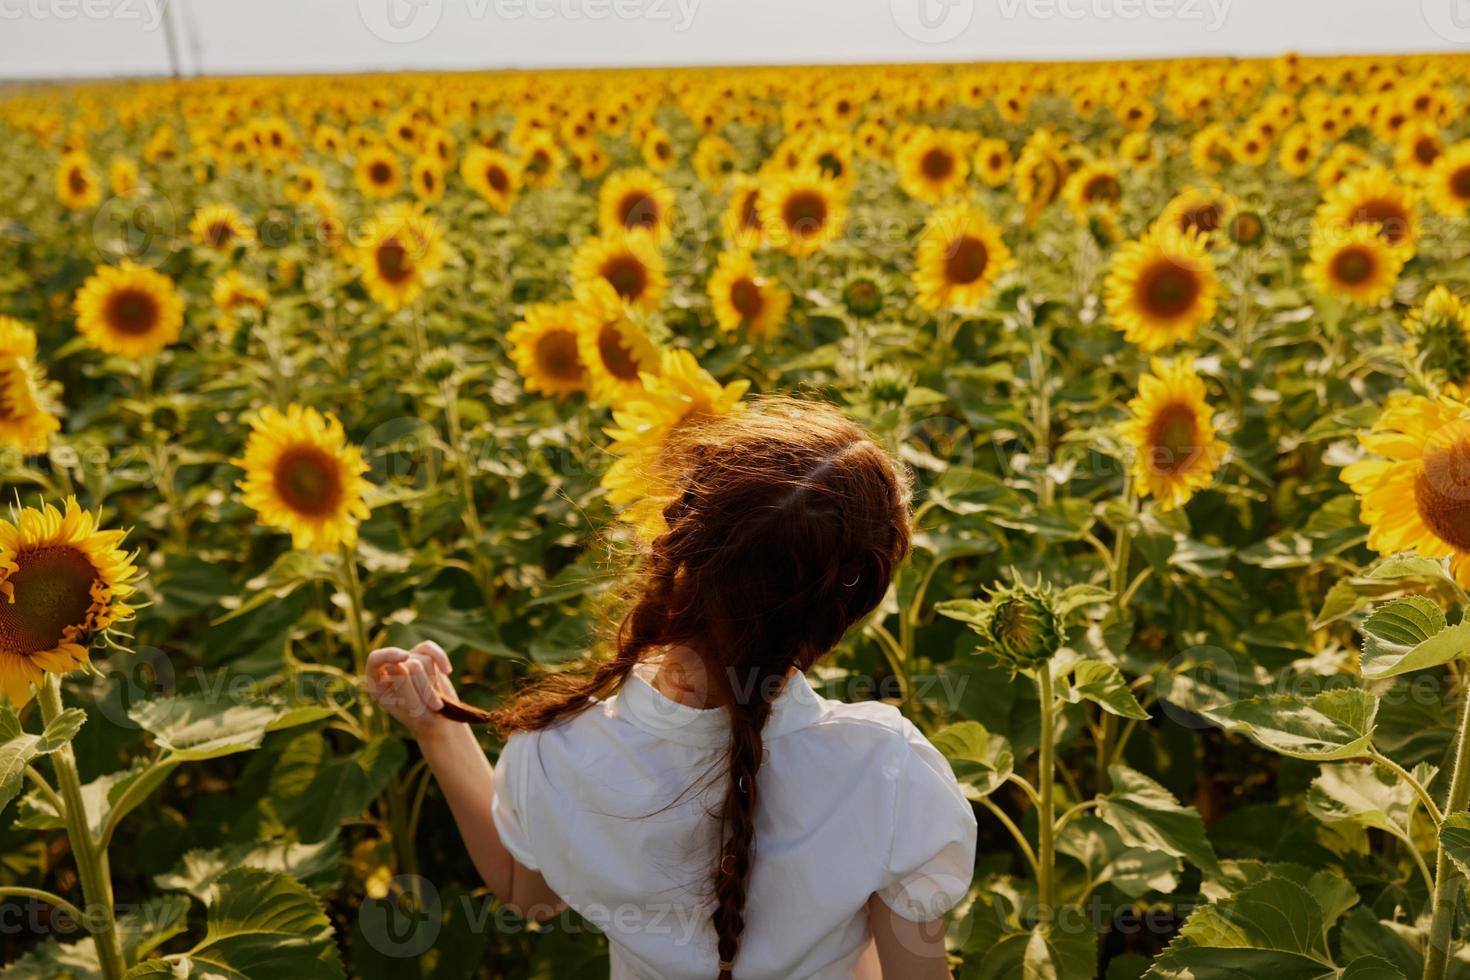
(872,725)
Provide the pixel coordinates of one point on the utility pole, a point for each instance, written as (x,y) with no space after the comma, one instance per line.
(166,9)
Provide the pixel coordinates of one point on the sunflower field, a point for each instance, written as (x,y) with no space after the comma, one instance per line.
(292,368)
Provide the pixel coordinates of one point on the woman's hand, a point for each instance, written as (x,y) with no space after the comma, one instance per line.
(412,685)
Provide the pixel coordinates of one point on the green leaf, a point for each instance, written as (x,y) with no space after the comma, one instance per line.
(1409,634)
(1104,685)
(1343,600)
(1363,795)
(313,790)
(1330,725)
(51,960)
(1454,837)
(152,924)
(971,611)
(1146,815)
(199,726)
(261,926)
(1135,871)
(318,866)
(1044,953)
(19,749)
(121,792)
(982,761)
(1273,928)
(1077,596)
(1413,567)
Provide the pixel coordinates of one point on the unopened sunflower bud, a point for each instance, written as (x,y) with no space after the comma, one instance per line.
(1023,627)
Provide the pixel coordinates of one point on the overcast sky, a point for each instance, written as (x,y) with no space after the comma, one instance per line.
(51,38)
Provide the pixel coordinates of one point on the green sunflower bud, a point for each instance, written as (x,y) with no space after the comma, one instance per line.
(890,383)
(1022,626)
(863,296)
(1247,229)
(440,365)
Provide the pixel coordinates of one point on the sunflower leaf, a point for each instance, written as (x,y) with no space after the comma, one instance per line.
(19,749)
(1409,634)
(1104,685)
(1145,814)
(982,760)
(1328,726)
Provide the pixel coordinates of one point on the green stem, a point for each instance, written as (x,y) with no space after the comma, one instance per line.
(91,859)
(1041,412)
(1015,832)
(1414,784)
(472,525)
(1446,875)
(1046,824)
(50,898)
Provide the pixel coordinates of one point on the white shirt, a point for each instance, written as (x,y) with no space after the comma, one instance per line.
(613,808)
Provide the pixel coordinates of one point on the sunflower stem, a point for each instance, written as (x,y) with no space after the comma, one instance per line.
(1046,822)
(41,895)
(91,858)
(1447,878)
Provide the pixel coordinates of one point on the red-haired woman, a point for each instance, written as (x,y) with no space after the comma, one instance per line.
(691,794)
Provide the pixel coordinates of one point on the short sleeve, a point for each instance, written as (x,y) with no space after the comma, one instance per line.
(932,857)
(505,807)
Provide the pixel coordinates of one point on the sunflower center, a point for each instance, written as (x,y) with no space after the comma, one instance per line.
(637,210)
(132,311)
(539,163)
(1426,150)
(966,261)
(428,181)
(395,265)
(805,212)
(750,217)
(497,179)
(830,164)
(1353,266)
(1169,290)
(1102,188)
(1442,493)
(76,180)
(556,353)
(1173,438)
(53,590)
(626,274)
(218,234)
(309,481)
(747,298)
(1203,217)
(1392,221)
(936,164)
(1460,183)
(616,357)
(380,173)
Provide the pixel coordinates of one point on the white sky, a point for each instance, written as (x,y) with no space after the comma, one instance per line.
(52,38)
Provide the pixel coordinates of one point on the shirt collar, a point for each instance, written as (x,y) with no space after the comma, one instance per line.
(644,706)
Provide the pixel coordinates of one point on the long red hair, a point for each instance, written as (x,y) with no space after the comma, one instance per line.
(788,523)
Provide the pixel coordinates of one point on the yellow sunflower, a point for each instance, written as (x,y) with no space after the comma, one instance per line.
(427,177)
(744,299)
(220,227)
(303,476)
(122,176)
(1040,173)
(1413,490)
(379,174)
(403,248)
(1354,263)
(129,310)
(1372,198)
(658,150)
(1199,210)
(1094,185)
(1439,335)
(741,221)
(233,294)
(801,211)
(77,186)
(715,161)
(493,175)
(1299,150)
(639,480)
(26,423)
(542,162)
(545,348)
(629,263)
(993,162)
(1161,288)
(614,349)
(1447,185)
(63,581)
(1171,433)
(932,165)
(635,200)
(959,257)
